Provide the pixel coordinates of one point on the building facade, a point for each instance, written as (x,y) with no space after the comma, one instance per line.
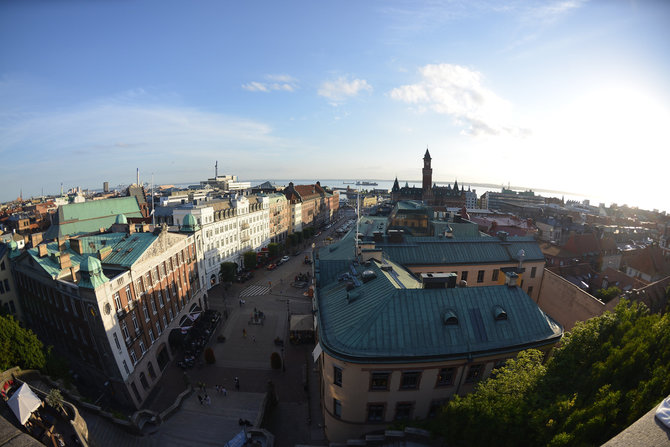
(109,301)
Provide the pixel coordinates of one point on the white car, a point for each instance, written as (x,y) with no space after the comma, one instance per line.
(284,259)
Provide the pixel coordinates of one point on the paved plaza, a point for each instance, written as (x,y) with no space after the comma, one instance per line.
(296,419)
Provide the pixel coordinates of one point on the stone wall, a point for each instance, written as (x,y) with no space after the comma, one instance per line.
(565,302)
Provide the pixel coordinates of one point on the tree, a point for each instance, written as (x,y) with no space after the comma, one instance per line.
(55,399)
(608,294)
(19,346)
(250,259)
(292,240)
(274,249)
(228,271)
(607,373)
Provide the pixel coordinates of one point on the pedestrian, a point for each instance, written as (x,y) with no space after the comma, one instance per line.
(237,383)
(208,401)
(224,391)
(244,333)
(240,302)
(200,399)
(253,338)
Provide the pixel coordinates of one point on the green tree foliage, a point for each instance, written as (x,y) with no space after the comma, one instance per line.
(19,346)
(228,271)
(275,249)
(250,260)
(292,240)
(497,406)
(308,232)
(608,294)
(608,372)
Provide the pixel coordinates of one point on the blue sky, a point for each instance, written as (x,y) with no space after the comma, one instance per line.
(567,95)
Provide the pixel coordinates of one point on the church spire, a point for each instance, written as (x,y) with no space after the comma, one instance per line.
(396,185)
(427,154)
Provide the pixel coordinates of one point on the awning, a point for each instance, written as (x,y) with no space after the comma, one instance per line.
(317,352)
(301,323)
(23,402)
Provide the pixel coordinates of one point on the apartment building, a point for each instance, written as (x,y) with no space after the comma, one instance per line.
(109,300)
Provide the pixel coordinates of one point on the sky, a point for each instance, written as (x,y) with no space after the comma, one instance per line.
(568,95)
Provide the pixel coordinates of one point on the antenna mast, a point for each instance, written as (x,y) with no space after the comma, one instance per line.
(153,216)
(358,219)
(216,169)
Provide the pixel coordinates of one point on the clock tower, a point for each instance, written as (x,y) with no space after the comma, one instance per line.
(427,176)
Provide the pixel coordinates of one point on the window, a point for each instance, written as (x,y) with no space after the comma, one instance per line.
(142,347)
(2,265)
(117,301)
(2,289)
(147,279)
(116,341)
(376,412)
(151,336)
(464,276)
(7,285)
(474,373)
(445,377)
(171,315)
(124,329)
(494,276)
(152,373)
(410,380)
(530,290)
(133,356)
(143,380)
(125,367)
(379,381)
(480,276)
(159,331)
(129,295)
(337,408)
(403,411)
(153,305)
(165,322)
(337,375)
(533,272)
(160,298)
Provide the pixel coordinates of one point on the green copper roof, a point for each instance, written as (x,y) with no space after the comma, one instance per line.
(87,217)
(125,249)
(121,219)
(189,224)
(91,273)
(381,321)
(445,251)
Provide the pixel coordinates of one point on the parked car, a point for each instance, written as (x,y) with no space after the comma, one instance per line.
(271,266)
(284,259)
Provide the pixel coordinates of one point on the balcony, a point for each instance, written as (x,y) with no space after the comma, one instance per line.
(244,226)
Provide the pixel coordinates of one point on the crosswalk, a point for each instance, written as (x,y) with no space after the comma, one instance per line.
(255,290)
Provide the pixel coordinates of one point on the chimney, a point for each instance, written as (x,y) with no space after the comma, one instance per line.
(36,239)
(61,243)
(73,274)
(76,246)
(64,261)
(104,252)
(42,250)
(511,279)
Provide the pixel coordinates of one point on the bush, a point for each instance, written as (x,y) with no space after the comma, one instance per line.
(209,356)
(275,360)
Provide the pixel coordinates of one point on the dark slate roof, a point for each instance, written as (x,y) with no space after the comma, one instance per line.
(382,321)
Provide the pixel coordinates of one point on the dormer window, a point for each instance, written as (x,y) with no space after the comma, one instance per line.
(499,313)
(449,318)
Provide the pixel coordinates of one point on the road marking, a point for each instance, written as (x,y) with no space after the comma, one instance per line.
(255,291)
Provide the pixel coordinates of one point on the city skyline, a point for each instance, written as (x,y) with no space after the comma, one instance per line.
(565,95)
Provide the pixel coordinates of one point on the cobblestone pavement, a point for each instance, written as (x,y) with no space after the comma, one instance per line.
(296,419)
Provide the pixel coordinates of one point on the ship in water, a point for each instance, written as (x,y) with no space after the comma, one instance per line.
(366,183)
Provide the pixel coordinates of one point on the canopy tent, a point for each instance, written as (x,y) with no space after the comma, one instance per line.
(239,440)
(302,323)
(23,402)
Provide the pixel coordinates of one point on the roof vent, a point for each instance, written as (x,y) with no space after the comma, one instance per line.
(386,267)
(449,318)
(368,275)
(499,313)
(350,285)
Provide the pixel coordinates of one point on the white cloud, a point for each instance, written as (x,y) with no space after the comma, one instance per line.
(342,88)
(279,82)
(458,92)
